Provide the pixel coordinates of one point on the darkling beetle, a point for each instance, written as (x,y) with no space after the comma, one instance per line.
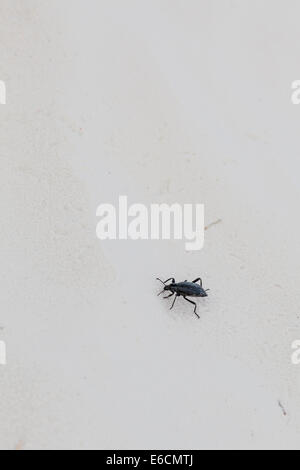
(184,289)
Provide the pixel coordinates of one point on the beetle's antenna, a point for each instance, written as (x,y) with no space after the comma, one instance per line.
(163,284)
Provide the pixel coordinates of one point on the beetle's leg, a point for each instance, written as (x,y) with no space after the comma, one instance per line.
(171,279)
(195,309)
(168,296)
(196,280)
(174,302)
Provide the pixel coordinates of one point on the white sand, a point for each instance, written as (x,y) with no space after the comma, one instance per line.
(164,101)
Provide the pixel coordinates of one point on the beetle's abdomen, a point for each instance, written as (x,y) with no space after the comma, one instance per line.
(190,289)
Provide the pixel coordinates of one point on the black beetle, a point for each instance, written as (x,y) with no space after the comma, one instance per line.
(184,289)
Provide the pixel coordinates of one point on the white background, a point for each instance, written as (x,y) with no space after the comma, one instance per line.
(163,101)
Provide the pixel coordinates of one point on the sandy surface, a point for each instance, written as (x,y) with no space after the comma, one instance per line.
(164,101)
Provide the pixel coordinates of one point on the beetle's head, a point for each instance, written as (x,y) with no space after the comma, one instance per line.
(167,288)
